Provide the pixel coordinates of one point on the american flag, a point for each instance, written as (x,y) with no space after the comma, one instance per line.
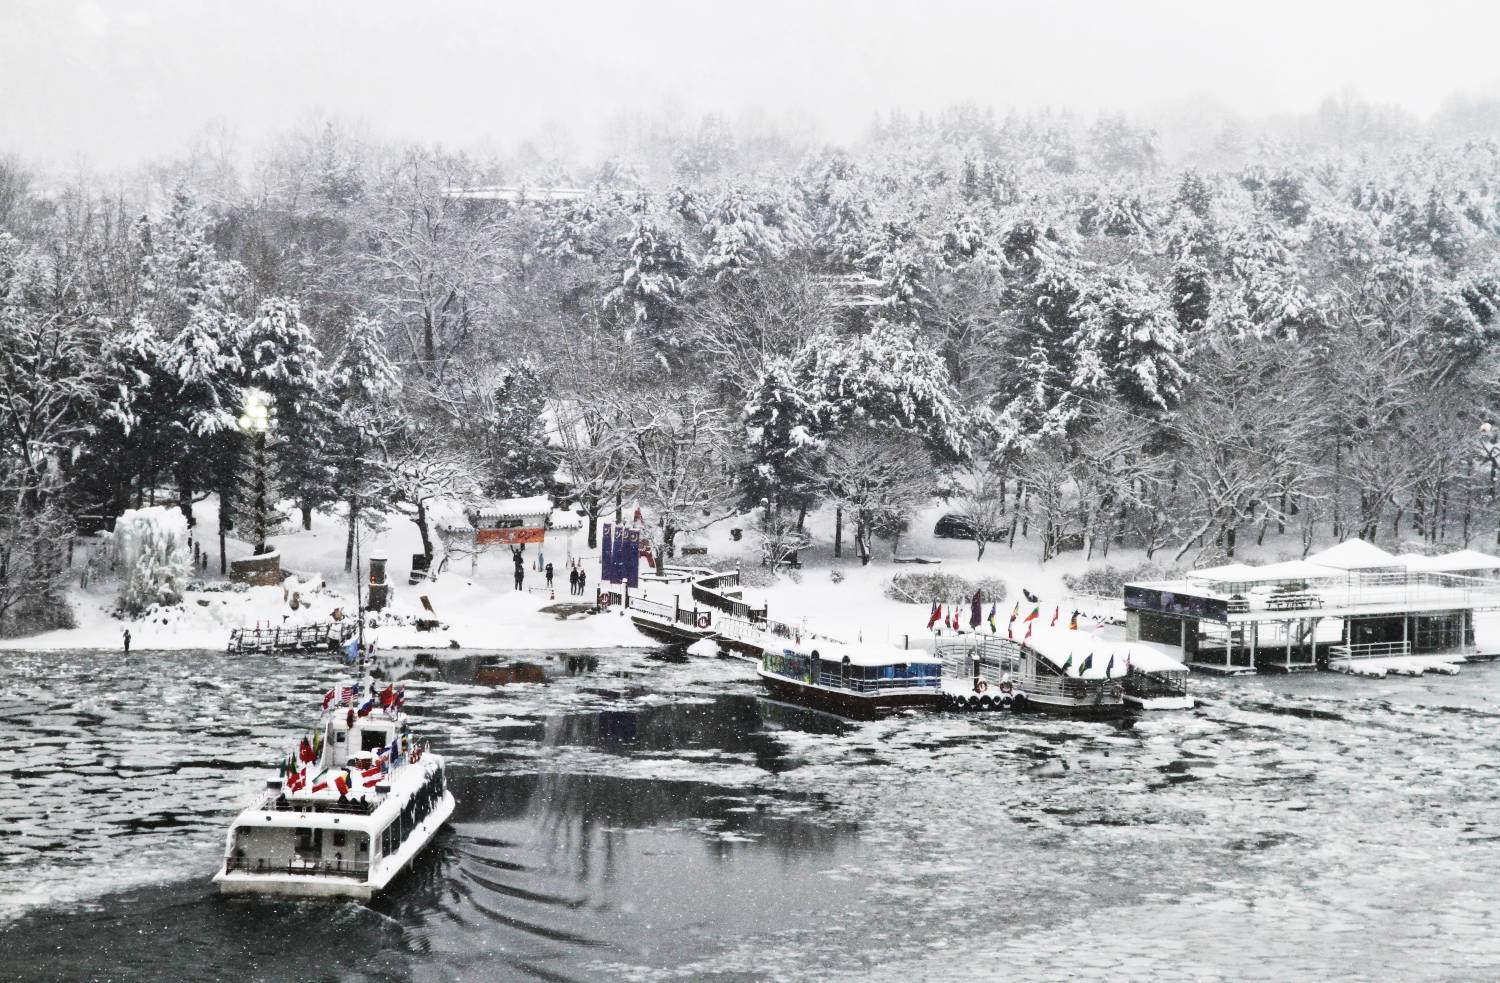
(347,694)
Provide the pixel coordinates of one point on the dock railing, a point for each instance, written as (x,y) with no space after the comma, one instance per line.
(1368,650)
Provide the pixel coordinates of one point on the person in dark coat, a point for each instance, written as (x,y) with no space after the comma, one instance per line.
(582,580)
(549,576)
(572,580)
(520,575)
(127,641)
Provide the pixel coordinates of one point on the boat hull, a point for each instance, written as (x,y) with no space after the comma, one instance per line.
(845,704)
(312,886)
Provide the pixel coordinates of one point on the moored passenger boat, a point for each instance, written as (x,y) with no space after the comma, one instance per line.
(355,804)
(988,672)
(850,680)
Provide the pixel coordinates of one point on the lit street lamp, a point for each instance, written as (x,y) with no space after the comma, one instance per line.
(257,417)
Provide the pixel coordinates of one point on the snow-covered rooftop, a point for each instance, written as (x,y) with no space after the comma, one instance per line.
(1354,554)
(1057,644)
(1462,561)
(514,508)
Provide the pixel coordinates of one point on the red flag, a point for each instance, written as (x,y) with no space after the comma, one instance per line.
(1055,613)
(372,782)
(387,695)
(1028,629)
(305,751)
(1036,613)
(937,612)
(1073,622)
(372,772)
(342,784)
(329,696)
(320,786)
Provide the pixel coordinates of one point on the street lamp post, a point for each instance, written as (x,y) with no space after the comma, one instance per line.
(257,418)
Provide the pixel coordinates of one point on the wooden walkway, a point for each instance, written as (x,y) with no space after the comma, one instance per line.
(327,635)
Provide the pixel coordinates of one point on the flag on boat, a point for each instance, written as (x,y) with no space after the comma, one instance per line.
(366,707)
(370,649)
(320,786)
(330,698)
(993,629)
(348,694)
(976,611)
(1028,629)
(351,650)
(400,699)
(1055,612)
(387,695)
(342,783)
(1015,612)
(1036,613)
(937,612)
(373,772)
(1086,664)
(1067,664)
(395,750)
(372,782)
(1030,597)
(1073,621)
(304,750)
(956,623)
(1109,667)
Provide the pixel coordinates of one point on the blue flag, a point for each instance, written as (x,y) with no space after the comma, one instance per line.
(1086,664)
(351,651)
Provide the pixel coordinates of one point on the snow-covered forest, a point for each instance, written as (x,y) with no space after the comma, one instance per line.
(1075,337)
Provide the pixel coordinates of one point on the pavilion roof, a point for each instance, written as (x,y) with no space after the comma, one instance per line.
(1354,554)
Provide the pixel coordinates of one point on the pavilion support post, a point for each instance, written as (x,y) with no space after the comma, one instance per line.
(1254,640)
(1288,662)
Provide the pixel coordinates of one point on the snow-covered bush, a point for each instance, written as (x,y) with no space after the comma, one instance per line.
(152,544)
(1110,581)
(942,588)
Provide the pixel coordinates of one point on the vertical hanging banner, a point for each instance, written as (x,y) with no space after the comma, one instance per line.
(617,561)
(607,555)
(633,556)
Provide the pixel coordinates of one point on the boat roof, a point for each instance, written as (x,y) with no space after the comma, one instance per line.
(1057,645)
(862,653)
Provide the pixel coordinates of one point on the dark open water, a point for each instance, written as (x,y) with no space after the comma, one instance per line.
(629,816)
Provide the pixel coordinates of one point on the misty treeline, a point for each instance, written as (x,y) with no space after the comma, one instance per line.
(1073,340)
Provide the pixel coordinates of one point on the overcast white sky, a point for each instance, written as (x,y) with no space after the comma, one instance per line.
(117,81)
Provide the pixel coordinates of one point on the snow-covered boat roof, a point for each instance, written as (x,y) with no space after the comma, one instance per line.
(1056,645)
(1459,562)
(862,654)
(1354,554)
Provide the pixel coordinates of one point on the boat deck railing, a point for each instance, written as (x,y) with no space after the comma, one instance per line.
(363,806)
(834,680)
(996,660)
(359,870)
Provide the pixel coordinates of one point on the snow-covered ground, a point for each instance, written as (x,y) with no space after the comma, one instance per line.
(836,597)
(484,611)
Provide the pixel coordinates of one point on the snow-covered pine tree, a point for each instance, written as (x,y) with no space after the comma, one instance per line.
(520,460)
(281,359)
(364,385)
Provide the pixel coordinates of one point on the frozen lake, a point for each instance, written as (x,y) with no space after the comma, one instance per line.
(632,815)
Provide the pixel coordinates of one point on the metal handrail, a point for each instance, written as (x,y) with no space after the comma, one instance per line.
(1369,650)
(295,865)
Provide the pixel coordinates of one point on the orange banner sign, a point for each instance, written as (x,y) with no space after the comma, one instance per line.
(510,537)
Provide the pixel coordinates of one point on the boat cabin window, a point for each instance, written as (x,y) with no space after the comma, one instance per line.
(372,738)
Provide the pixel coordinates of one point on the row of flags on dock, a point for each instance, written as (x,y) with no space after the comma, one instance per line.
(976,606)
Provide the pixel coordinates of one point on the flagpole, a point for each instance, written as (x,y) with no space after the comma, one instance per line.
(359,603)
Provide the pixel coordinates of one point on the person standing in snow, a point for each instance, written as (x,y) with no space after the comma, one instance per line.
(127,641)
(582,579)
(572,580)
(549,576)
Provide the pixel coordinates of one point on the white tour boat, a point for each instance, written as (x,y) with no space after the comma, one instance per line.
(851,680)
(355,804)
(1051,671)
